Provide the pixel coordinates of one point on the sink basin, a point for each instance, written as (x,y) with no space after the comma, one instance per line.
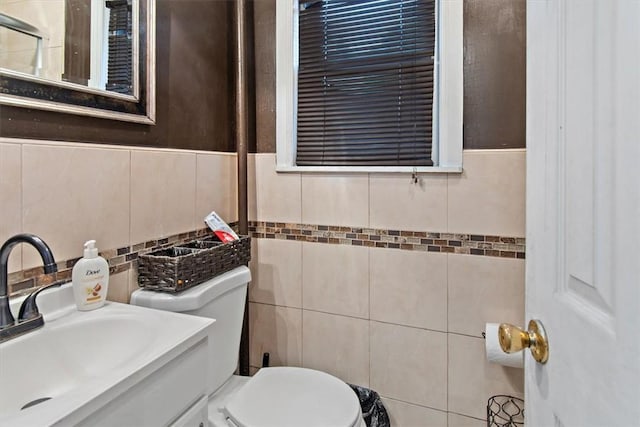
(84,363)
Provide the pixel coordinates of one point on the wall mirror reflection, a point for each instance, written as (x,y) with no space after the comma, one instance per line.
(88,42)
(92,57)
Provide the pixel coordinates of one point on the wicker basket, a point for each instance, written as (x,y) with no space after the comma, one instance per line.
(181,267)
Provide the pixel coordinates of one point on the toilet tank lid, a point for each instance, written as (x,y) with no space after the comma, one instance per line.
(193,298)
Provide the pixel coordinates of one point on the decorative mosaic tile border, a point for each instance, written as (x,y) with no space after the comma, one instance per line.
(119,259)
(456,243)
(125,258)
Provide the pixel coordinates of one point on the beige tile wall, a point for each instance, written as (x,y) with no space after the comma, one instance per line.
(336,344)
(397,205)
(332,199)
(335,279)
(68,193)
(407,324)
(402,414)
(216,185)
(73,194)
(279,197)
(277,278)
(10,198)
(166,181)
(488,197)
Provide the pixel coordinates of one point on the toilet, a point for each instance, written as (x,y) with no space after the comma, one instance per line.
(273,397)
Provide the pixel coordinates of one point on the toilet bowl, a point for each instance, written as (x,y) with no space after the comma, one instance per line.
(288,397)
(273,397)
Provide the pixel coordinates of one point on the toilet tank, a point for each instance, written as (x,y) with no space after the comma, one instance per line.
(221,298)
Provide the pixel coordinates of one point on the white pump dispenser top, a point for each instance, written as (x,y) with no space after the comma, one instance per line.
(90,250)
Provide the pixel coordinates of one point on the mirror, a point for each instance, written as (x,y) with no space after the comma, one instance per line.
(89,57)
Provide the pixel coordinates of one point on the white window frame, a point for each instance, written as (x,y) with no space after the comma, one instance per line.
(448,93)
(99,38)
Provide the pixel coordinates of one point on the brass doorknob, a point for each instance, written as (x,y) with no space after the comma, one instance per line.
(513,339)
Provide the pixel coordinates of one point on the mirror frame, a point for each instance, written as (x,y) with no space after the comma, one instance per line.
(22,90)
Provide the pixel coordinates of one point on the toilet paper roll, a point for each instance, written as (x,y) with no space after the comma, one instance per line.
(494,351)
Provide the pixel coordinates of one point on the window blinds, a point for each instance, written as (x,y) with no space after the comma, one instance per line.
(120,65)
(365,83)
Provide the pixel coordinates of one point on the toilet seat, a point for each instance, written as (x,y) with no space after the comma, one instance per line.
(294,397)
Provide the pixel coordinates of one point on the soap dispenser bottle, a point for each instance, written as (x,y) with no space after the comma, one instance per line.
(90,277)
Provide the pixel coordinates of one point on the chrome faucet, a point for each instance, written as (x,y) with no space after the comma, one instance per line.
(29,318)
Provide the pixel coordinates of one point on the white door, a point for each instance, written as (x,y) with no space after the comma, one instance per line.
(583,211)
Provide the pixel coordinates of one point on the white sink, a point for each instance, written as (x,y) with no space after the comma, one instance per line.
(117,365)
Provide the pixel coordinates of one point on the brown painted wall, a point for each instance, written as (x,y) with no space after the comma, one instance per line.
(195,81)
(264,15)
(494,74)
(194,86)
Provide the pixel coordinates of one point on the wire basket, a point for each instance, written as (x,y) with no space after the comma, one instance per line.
(505,411)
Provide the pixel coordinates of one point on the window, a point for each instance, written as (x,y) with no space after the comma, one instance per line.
(120,57)
(363,85)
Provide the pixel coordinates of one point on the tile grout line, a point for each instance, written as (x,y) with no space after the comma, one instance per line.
(369,322)
(130,205)
(467,416)
(301,283)
(447,311)
(195,199)
(448,178)
(301,304)
(21,203)
(369,273)
(414,404)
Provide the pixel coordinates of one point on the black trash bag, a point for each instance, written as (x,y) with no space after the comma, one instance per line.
(373,411)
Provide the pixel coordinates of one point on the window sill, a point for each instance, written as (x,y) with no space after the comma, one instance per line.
(369,169)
